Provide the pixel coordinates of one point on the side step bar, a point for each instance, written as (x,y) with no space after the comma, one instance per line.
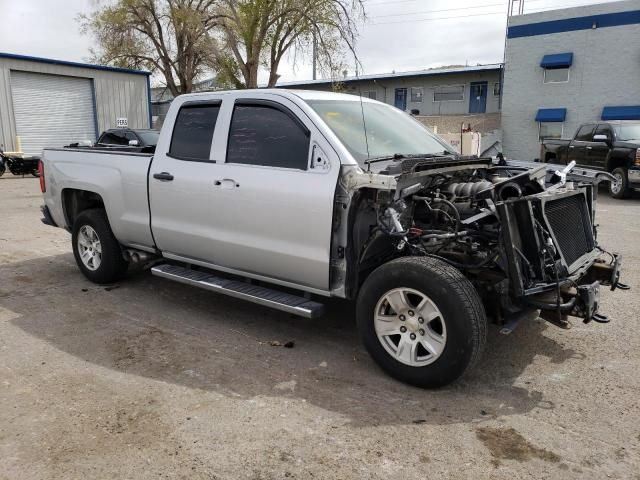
(261,295)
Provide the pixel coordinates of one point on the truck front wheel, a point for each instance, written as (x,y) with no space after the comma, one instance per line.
(619,189)
(421,320)
(96,249)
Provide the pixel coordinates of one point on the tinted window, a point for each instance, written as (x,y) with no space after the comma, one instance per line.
(603,130)
(584,134)
(114,137)
(149,137)
(264,135)
(193,132)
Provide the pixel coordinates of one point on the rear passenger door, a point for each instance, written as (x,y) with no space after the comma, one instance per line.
(273,197)
(181,185)
(578,147)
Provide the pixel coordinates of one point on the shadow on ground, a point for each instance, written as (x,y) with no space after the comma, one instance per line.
(169,332)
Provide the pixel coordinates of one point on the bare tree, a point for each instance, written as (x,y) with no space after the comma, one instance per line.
(169,37)
(255,33)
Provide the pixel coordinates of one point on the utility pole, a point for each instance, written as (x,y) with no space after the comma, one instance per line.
(315,55)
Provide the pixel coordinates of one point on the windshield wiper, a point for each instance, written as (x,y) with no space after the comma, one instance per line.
(400,156)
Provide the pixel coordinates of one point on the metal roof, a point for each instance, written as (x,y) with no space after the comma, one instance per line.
(52,61)
(414,73)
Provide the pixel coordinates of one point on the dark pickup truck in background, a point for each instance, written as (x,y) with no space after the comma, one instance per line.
(130,140)
(610,146)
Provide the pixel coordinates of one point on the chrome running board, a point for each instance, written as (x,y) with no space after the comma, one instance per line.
(267,297)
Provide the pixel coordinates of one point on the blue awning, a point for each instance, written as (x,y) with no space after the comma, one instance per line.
(621,113)
(557,60)
(551,115)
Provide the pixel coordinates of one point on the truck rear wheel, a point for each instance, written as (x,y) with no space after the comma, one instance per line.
(620,189)
(421,320)
(96,249)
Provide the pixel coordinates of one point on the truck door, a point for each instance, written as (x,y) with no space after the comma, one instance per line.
(578,146)
(598,152)
(180,183)
(273,196)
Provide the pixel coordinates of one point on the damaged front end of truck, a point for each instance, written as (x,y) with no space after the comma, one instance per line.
(524,234)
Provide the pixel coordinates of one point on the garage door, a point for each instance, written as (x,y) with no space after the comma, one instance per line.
(51,110)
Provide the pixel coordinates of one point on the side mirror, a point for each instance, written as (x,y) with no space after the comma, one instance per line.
(601,138)
(133,143)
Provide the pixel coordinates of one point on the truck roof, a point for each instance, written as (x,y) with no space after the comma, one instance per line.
(303,94)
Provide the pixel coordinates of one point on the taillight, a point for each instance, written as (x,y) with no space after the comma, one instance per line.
(43,184)
(638,156)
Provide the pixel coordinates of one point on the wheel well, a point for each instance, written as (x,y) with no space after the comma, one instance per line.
(75,202)
(615,163)
(367,248)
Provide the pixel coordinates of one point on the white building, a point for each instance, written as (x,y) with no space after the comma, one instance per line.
(51,103)
(567,67)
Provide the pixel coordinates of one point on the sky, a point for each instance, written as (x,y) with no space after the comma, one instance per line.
(398,35)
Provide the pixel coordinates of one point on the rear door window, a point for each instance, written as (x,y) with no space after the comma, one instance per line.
(585,133)
(268,135)
(193,131)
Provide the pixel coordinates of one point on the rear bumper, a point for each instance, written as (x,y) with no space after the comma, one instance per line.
(47,219)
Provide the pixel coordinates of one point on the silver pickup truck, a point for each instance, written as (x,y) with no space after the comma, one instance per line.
(284,198)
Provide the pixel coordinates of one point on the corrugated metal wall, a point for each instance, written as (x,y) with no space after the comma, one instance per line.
(117,94)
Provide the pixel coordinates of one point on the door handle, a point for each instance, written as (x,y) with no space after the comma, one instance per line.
(589,148)
(572,146)
(226,183)
(164,176)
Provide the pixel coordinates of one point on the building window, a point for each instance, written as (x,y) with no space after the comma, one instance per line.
(496,89)
(451,93)
(417,94)
(370,94)
(556,75)
(550,130)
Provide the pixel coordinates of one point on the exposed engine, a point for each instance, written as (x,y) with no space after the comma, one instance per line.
(523,244)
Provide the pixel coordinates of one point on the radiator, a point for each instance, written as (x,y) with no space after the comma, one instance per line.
(570,223)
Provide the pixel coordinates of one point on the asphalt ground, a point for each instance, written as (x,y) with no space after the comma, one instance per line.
(151,379)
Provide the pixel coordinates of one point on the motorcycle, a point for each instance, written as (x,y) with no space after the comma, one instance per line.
(18,165)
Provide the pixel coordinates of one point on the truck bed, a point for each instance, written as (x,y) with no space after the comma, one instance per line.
(120,178)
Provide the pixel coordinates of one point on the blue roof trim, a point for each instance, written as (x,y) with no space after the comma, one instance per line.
(52,61)
(551,115)
(557,60)
(616,19)
(621,113)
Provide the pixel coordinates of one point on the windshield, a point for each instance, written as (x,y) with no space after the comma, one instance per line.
(627,132)
(149,137)
(389,130)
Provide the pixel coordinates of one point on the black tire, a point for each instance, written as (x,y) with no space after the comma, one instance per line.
(2,169)
(455,297)
(112,266)
(623,191)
